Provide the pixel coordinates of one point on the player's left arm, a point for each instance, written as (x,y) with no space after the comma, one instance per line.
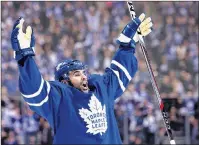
(124,63)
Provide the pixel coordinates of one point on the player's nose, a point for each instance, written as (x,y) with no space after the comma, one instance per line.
(84,77)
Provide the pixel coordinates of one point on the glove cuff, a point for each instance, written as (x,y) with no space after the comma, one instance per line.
(18,55)
(131,28)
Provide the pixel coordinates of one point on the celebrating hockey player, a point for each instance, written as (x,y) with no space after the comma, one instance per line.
(78,107)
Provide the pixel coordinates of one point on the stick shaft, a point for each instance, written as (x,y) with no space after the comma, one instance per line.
(152,78)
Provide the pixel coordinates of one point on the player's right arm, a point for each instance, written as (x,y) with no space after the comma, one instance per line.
(42,97)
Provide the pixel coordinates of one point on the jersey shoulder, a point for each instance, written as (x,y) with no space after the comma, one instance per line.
(94,79)
(60,86)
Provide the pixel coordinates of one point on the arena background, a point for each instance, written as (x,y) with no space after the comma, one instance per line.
(87,31)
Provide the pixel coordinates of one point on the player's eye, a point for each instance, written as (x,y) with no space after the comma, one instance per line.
(77,74)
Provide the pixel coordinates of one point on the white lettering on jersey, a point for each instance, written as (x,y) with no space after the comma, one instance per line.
(95,118)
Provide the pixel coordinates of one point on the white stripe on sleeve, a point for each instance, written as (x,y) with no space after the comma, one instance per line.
(122,68)
(118,77)
(123,38)
(36,93)
(43,101)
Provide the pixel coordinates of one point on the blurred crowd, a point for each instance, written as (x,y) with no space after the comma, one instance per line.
(87,31)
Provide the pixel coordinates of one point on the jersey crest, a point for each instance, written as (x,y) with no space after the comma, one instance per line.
(95,118)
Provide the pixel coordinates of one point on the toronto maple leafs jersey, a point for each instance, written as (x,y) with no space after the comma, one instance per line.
(77,117)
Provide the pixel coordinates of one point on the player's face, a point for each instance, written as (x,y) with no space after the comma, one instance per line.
(79,80)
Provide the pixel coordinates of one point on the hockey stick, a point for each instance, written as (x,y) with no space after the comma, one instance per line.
(153,81)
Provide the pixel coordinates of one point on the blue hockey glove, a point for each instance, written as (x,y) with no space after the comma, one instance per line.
(22,43)
(129,36)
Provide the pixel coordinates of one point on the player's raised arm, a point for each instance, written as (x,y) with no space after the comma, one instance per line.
(124,64)
(37,92)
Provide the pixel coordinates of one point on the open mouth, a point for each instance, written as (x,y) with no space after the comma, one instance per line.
(84,86)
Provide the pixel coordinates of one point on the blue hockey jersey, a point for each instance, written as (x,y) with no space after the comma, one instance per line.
(77,117)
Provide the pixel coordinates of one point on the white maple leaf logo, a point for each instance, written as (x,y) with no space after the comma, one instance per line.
(95,118)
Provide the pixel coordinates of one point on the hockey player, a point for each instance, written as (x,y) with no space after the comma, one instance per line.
(80,109)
